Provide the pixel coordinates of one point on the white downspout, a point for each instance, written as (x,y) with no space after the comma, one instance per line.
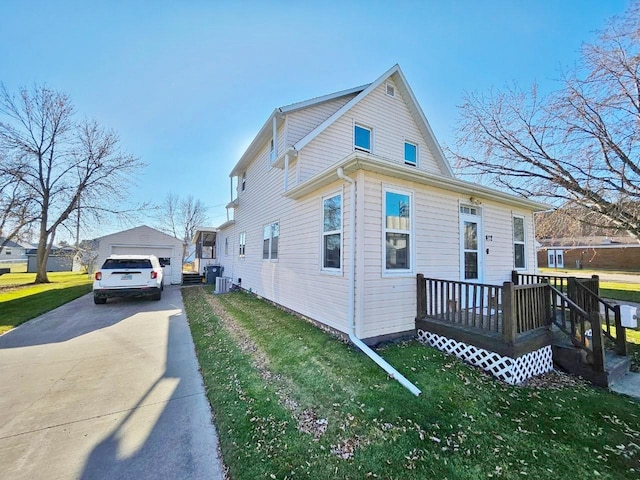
(393,373)
(286,171)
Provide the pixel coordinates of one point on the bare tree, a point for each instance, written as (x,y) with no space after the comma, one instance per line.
(17,210)
(578,146)
(62,161)
(181,218)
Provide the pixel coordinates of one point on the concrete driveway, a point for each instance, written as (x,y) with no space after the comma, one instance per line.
(105,391)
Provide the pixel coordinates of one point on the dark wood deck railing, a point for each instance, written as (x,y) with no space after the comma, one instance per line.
(506,309)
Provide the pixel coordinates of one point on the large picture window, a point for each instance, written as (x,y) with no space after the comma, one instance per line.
(397,230)
(519,257)
(271,233)
(331,232)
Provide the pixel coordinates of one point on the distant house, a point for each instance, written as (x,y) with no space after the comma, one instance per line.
(594,252)
(14,250)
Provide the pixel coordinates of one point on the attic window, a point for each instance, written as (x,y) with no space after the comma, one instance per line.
(362,138)
(391,90)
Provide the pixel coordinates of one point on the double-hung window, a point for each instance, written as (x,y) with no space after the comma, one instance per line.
(410,154)
(244,181)
(242,242)
(519,257)
(397,230)
(331,232)
(362,138)
(270,236)
(226,246)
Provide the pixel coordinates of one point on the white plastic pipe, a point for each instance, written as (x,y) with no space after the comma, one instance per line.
(286,171)
(393,373)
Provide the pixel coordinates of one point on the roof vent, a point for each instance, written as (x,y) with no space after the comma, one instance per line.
(391,90)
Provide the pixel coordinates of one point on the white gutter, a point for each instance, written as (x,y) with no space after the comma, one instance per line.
(393,373)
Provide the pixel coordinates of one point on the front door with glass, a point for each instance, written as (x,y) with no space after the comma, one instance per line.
(471,259)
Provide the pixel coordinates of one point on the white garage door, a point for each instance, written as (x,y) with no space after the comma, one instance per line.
(162,253)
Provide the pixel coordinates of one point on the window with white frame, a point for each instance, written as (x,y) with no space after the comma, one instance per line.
(244,180)
(7,251)
(362,138)
(242,241)
(331,232)
(270,236)
(410,153)
(226,246)
(397,230)
(519,257)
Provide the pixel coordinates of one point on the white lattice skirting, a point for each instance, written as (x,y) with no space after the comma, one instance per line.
(511,370)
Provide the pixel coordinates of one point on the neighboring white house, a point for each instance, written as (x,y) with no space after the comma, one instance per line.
(145,240)
(343,199)
(14,250)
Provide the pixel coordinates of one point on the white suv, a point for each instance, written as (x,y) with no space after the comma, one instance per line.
(128,276)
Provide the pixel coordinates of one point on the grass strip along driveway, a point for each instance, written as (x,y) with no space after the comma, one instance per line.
(291,401)
(22,300)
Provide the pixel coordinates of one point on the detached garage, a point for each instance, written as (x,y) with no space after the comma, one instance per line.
(145,240)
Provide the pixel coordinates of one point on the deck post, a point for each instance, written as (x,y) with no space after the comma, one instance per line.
(421,300)
(514,277)
(509,321)
(621,332)
(598,344)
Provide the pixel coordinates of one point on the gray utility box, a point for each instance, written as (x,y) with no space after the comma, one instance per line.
(212,272)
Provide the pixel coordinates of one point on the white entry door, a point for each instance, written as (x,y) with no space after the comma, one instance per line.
(471,245)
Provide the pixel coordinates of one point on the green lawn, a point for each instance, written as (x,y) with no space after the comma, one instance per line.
(15,267)
(290,401)
(21,300)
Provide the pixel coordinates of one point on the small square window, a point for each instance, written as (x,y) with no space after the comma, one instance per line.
(410,153)
(391,90)
(362,138)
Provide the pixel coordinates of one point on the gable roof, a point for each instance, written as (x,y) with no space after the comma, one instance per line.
(413,105)
(265,132)
(148,230)
(15,244)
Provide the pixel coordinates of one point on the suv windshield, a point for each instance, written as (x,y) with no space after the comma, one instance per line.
(113,263)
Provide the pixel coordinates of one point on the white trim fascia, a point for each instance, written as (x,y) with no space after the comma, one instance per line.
(324,98)
(226,224)
(233,203)
(345,108)
(372,163)
(264,133)
(359,204)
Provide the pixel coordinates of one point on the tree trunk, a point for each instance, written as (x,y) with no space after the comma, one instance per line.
(42,255)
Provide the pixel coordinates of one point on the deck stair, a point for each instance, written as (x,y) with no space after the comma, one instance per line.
(189,278)
(588,338)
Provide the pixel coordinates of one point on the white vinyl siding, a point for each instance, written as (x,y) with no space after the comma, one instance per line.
(301,122)
(298,271)
(392,124)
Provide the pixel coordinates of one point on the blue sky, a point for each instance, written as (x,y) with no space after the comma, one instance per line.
(188,84)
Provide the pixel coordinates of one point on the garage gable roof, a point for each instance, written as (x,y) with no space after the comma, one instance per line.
(144,230)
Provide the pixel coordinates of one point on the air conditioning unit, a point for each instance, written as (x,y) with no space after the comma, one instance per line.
(222,284)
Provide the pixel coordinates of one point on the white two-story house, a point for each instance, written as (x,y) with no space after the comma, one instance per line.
(342,199)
